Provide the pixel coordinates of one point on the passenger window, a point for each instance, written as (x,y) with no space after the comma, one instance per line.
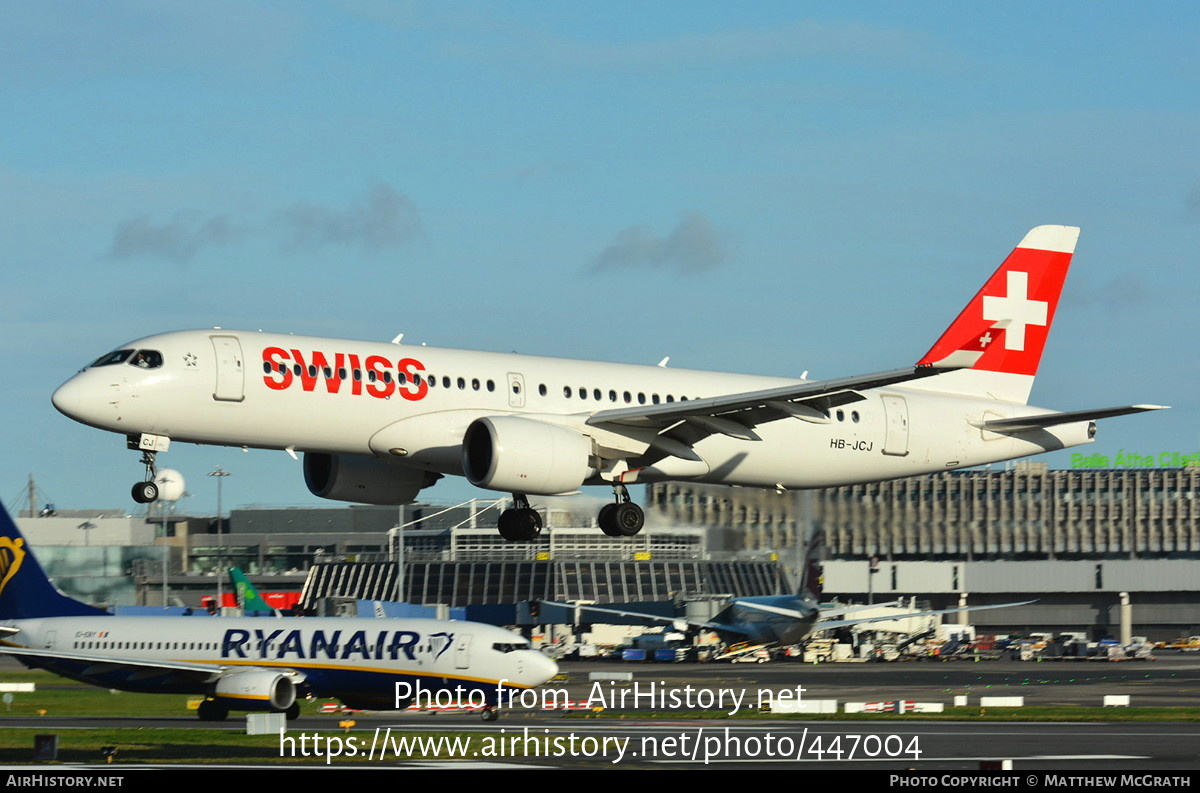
(445,382)
(416,379)
(641,398)
(432,380)
(582,392)
(841,415)
(475,384)
(567,391)
(596,394)
(542,389)
(612,396)
(628,398)
(854,416)
(461,384)
(654,398)
(297,370)
(387,377)
(670,398)
(491,385)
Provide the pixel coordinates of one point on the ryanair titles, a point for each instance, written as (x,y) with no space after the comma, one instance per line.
(373,645)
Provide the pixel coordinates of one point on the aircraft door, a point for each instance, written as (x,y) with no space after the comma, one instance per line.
(516,390)
(462,651)
(231,373)
(896,440)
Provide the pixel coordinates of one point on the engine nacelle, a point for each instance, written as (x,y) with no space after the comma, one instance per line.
(363,480)
(518,455)
(256,690)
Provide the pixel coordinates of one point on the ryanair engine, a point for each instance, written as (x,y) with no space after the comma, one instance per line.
(363,480)
(520,455)
(256,690)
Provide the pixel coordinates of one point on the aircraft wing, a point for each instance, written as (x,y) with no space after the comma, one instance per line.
(211,671)
(736,414)
(800,615)
(1041,420)
(714,626)
(823,625)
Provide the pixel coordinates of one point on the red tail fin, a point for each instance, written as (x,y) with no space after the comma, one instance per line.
(1019,299)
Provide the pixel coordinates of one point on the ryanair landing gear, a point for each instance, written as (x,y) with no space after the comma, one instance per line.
(489,714)
(623,518)
(211,710)
(145,492)
(522,523)
(293,711)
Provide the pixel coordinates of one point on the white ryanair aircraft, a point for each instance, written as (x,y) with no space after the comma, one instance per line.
(378,422)
(258,663)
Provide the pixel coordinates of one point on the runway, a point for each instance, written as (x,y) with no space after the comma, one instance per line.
(635,740)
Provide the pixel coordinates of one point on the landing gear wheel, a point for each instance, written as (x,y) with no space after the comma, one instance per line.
(293,712)
(145,492)
(607,524)
(520,525)
(211,710)
(489,714)
(628,518)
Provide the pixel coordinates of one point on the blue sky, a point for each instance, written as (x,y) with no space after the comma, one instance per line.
(769,188)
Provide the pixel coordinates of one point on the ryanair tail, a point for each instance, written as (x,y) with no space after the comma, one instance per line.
(25,591)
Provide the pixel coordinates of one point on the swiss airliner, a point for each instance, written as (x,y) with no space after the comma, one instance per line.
(258,663)
(378,422)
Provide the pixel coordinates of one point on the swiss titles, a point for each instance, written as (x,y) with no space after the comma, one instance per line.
(373,375)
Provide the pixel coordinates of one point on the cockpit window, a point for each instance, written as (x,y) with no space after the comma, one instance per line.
(113,357)
(509,647)
(146,359)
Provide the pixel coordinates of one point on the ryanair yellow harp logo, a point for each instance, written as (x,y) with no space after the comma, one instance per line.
(12,553)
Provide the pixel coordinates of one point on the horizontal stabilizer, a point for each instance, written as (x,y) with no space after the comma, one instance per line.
(1042,420)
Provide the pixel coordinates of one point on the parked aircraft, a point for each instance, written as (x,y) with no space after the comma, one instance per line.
(257,664)
(379,422)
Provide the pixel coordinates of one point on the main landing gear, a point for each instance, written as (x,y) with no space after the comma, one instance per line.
(145,492)
(623,518)
(522,523)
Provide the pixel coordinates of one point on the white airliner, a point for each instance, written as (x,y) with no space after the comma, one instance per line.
(258,663)
(378,422)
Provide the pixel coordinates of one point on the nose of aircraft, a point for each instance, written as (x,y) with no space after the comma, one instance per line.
(540,668)
(79,401)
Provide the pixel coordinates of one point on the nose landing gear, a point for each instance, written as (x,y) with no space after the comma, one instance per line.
(146,492)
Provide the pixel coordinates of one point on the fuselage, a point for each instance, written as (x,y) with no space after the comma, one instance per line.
(411,405)
(360,661)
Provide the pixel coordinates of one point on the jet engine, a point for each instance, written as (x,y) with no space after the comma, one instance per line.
(363,480)
(519,455)
(256,690)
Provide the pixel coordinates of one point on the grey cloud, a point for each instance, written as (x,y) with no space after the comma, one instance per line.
(383,218)
(177,240)
(693,246)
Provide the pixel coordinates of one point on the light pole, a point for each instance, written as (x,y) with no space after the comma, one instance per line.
(220,473)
